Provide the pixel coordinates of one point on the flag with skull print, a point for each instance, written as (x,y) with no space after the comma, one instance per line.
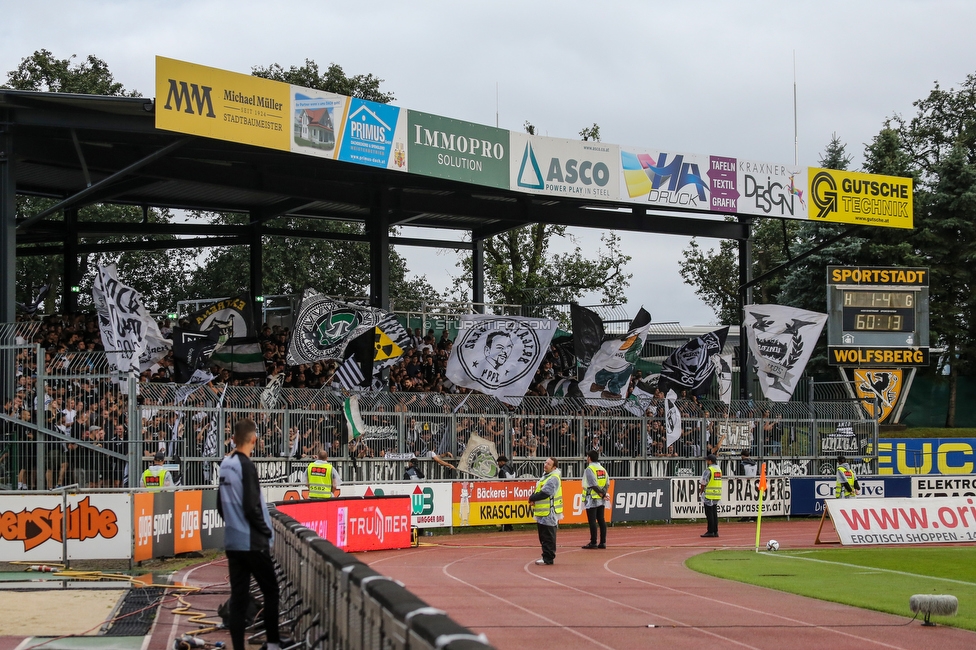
(781,340)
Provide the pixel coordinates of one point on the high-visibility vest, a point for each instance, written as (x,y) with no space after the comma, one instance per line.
(849,478)
(320,480)
(545,506)
(602,478)
(154,478)
(713,489)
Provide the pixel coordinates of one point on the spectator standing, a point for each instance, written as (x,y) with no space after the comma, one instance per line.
(247,537)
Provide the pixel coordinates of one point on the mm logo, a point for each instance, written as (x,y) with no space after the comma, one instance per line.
(823,189)
(189,95)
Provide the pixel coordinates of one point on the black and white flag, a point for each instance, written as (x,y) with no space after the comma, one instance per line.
(498,355)
(238,349)
(131,337)
(324,327)
(357,369)
(272,392)
(723,373)
(690,366)
(192,351)
(210,441)
(672,418)
(781,340)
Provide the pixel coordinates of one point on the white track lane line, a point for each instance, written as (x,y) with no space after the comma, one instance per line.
(444,570)
(748,609)
(638,609)
(870,568)
(176,619)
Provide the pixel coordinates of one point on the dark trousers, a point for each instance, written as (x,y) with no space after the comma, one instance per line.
(547,537)
(596,516)
(711,516)
(241,565)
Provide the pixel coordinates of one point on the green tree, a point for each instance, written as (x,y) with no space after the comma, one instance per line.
(333,80)
(159,274)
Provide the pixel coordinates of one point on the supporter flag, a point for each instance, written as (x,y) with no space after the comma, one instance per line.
(192,351)
(234,319)
(130,336)
(354,419)
(608,376)
(781,340)
(498,355)
(690,366)
(272,392)
(210,441)
(638,402)
(324,327)
(391,342)
(588,335)
(34,305)
(479,458)
(357,369)
(723,373)
(672,418)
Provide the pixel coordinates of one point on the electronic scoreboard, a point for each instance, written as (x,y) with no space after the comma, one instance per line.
(878,316)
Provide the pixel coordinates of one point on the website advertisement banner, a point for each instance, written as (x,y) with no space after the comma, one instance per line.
(570,168)
(99,527)
(926,456)
(903,521)
(740,497)
(356,524)
(215,103)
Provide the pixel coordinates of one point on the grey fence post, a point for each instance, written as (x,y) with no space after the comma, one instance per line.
(41,410)
(134,430)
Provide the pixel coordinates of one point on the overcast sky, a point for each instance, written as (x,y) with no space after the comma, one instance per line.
(695,77)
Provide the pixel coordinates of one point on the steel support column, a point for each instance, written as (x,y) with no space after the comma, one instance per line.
(8,225)
(256,260)
(745,298)
(478,273)
(71,275)
(378,226)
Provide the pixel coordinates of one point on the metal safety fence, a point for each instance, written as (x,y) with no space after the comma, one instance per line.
(352,607)
(69,420)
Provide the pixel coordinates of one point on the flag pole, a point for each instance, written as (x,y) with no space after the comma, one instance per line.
(762,492)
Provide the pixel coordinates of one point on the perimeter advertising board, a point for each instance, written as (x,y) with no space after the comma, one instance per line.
(926,487)
(640,500)
(430,503)
(740,497)
(493,503)
(356,524)
(179,521)
(809,493)
(903,521)
(946,456)
(99,527)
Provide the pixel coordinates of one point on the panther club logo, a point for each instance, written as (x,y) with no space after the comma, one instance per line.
(878,389)
(823,190)
(498,352)
(334,327)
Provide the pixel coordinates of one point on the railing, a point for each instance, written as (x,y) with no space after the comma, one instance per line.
(353,606)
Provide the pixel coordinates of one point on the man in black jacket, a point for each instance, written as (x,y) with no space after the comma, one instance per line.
(247,536)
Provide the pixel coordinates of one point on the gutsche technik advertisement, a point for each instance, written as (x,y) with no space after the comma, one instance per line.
(213,103)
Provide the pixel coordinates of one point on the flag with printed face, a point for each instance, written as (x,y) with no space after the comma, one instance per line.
(672,418)
(690,366)
(608,378)
(237,348)
(781,340)
(130,336)
(723,373)
(498,355)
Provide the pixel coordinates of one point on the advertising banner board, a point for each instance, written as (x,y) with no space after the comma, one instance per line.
(946,456)
(925,487)
(810,492)
(903,521)
(740,497)
(493,503)
(640,500)
(356,524)
(171,522)
(99,527)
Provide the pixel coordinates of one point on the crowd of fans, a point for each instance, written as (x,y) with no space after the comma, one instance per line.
(96,411)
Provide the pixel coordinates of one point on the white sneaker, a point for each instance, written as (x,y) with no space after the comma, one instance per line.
(540,561)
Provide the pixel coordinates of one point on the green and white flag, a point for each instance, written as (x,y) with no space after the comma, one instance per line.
(234,317)
(323,328)
(479,458)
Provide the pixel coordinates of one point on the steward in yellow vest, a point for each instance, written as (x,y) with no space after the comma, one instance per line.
(156,477)
(323,483)
(547,508)
(596,481)
(710,488)
(847,485)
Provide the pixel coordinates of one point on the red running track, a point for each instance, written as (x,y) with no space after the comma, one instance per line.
(609,598)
